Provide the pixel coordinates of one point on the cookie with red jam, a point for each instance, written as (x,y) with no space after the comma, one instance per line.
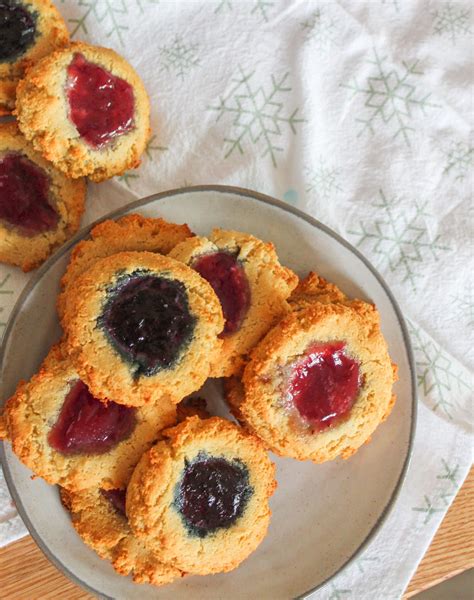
(39,207)
(319,384)
(251,285)
(29,30)
(99,518)
(65,435)
(131,232)
(86,110)
(200,497)
(141,326)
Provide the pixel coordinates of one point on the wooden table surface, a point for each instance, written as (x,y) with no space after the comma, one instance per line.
(25,574)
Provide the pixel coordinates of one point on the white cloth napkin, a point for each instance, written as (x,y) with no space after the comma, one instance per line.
(358,113)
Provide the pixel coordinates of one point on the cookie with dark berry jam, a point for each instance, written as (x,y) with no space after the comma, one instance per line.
(210,483)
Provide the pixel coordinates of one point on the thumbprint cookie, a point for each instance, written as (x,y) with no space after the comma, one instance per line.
(99,518)
(131,232)
(29,30)
(67,436)
(142,326)
(319,384)
(250,283)
(39,207)
(86,110)
(199,498)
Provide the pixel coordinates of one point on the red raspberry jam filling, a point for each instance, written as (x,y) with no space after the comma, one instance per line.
(213,494)
(101,105)
(229,281)
(17,30)
(24,191)
(147,319)
(325,384)
(88,426)
(116,499)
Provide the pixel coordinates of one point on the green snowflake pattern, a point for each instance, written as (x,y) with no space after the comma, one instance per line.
(440,379)
(4,291)
(322,180)
(391,98)
(465,304)
(256,114)
(337,593)
(360,562)
(260,8)
(179,57)
(452,21)
(431,506)
(321,30)
(395,4)
(459,160)
(429,509)
(130,176)
(400,238)
(112,13)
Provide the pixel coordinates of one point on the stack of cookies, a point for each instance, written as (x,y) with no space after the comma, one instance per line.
(82,111)
(150,312)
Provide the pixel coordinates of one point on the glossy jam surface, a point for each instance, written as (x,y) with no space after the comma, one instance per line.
(88,426)
(101,105)
(24,191)
(324,385)
(17,30)
(229,281)
(117,499)
(213,494)
(148,321)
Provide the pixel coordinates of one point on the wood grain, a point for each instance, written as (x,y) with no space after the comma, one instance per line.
(25,573)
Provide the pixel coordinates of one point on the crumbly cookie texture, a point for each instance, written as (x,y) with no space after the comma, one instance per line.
(270,285)
(51,34)
(42,111)
(259,401)
(314,288)
(151,496)
(67,197)
(102,368)
(131,232)
(34,408)
(108,533)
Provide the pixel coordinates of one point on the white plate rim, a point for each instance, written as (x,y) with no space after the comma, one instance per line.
(254,195)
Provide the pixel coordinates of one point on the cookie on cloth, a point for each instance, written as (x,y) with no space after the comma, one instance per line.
(141,326)
(39,207)
(251,285)
(131,232)
(99,518)
(318,385)
(200,497)
(65,435)
(29,30)
(86,110)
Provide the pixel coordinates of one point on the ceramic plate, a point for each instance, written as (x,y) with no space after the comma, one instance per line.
(323,515)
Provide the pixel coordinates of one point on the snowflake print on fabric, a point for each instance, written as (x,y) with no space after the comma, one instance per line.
(258,8)
(394,3)
(257,114)
(452,21)
(442,381)
(400,237)
(322,180)
(113,13)
(4,291)
(179,57)
(465,305)
(362,562)
(450,486)
(321,30)
(129,176)
(338,593)
(429,509)
(261,8)
(459,160)
(391,98)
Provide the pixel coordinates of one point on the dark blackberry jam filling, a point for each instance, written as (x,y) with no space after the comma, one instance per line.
(17,30)
(101,105)
(229,281)
(148,321)
(24,196)
(116,499)
(212,494)
(325,384)
(86,425)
